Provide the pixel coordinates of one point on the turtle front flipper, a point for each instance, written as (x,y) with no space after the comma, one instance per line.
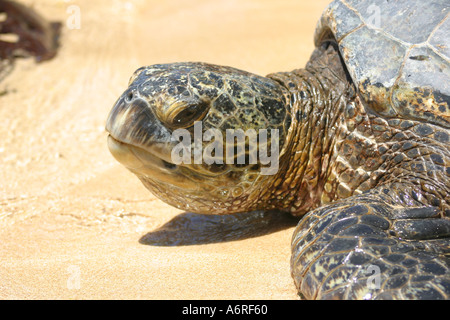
(364,247)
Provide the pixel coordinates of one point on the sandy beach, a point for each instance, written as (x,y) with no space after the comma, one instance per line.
(74,223)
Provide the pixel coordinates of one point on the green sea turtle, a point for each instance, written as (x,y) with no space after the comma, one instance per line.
(361,136)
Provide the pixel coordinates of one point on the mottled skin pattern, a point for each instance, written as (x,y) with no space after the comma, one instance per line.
(163,98)
(364,150)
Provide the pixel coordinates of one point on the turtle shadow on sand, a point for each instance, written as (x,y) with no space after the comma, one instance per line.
(192,228)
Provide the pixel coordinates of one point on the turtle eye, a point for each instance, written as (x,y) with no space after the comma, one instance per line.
(186,117)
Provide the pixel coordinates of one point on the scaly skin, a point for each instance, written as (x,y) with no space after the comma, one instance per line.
(144,118)
(351,151)
(373,191)
(387,180)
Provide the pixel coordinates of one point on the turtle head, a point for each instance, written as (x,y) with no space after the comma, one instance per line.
(201,137)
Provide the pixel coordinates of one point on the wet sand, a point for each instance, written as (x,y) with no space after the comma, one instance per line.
(75,224)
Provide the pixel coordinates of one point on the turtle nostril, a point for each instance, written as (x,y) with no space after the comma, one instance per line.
(129,96)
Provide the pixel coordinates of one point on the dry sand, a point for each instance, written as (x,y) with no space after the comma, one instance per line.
(72,219)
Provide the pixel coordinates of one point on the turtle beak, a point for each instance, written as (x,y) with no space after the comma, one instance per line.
(140,142)
(131,123)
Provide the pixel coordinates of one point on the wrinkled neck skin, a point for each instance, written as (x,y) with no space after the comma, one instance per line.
(318,95)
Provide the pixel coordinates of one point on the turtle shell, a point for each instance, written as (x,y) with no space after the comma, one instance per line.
(397,53)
